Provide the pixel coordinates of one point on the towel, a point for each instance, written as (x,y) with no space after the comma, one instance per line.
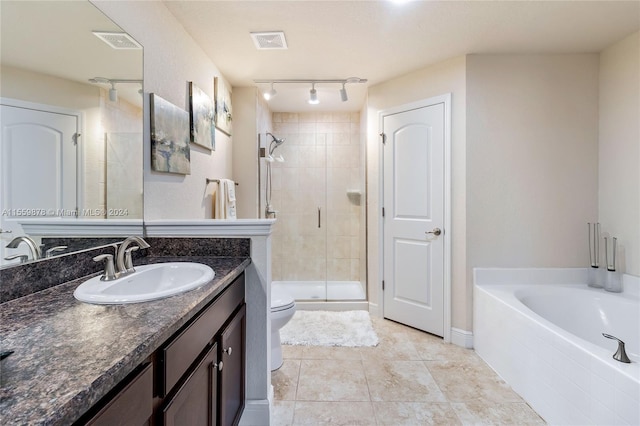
(230,192)
(220,201)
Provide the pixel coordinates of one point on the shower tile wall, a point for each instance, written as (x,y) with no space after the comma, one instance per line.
(323,168)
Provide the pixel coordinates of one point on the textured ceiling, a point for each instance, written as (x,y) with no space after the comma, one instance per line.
(379,40)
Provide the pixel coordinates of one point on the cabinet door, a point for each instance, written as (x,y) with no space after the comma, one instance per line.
(232,354)
(131,406)
(194,403)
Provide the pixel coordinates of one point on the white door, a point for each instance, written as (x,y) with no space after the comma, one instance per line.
(413,223)
(38,154)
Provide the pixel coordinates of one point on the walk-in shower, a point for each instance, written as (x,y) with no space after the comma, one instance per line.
(314,185)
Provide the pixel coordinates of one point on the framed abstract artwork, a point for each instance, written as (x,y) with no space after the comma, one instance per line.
(223,106)
(201,115)
(169,137)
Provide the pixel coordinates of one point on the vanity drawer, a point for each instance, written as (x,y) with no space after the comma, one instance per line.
(184,348)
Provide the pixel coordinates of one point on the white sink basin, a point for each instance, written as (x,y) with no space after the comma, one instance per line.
(149,282)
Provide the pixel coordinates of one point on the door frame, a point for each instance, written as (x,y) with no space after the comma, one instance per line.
(441,99)
(79,115)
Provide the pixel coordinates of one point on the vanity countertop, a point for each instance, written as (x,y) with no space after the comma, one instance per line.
(69,354)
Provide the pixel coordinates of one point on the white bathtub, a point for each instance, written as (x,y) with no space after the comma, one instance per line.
(541,331)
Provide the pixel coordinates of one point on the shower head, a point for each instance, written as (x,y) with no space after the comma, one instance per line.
(275,142)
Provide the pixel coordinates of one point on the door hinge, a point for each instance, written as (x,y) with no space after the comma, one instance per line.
(383,212)
(382,285)
(384,137)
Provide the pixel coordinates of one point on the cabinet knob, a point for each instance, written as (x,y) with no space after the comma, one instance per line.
(218,365)
(228,350)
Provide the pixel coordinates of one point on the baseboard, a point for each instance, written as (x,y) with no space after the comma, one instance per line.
(462,338)
(374,310)
(256,413)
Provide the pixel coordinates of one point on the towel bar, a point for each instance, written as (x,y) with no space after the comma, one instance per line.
(217,181)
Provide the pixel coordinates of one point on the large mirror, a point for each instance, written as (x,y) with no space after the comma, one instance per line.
(71,125)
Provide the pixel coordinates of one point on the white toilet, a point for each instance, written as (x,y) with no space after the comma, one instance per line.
(283,307)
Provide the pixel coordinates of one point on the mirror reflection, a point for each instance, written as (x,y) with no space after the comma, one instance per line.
(71,119)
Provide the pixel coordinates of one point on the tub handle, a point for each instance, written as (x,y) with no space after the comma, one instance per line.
(620,354)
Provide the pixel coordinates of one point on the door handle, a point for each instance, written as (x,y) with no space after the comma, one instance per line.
(436,232)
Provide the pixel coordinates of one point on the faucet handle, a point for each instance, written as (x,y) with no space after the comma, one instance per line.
(50,253)
(23,257)
(620,354)
(109,270)
(128,262)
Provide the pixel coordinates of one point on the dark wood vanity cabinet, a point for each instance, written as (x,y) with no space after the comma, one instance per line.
(202,367)
(197,377)
(212,393)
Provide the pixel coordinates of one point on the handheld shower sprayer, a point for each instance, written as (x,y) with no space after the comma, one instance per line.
(275,143)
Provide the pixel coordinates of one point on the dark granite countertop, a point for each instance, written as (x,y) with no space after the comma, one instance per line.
(69,354)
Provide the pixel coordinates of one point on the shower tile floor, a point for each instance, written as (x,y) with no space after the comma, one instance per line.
(410,378)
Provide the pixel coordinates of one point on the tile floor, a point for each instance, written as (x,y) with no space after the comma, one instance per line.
(410,378)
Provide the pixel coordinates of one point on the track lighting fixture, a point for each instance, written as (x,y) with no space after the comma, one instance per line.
(113,92)
(270,94)
(313,94)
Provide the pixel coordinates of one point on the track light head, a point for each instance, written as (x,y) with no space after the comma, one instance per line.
(343,94)
(270,94)
(113,93)
(313,95)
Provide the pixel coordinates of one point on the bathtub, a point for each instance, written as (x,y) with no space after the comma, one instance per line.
(541,331)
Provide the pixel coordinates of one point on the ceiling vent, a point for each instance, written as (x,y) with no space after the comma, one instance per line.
(269,40)
(117,40)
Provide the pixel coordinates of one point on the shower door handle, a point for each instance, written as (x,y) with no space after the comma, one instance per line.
(319,220)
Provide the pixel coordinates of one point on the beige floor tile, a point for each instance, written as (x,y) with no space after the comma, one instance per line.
(334,413)
(469,380)
(415,413)
(394,343)
(282,414)
(292,352)
(336,380)
(285,380)
(408,381)
(324,352)
(433,348)
(508,413)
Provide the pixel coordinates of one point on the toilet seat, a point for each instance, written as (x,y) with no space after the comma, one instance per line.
(281,301)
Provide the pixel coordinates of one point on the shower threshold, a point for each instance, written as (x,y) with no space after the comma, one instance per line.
(322,290)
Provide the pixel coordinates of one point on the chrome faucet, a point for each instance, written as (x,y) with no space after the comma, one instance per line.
(621,354)
(34,249)
(124,264)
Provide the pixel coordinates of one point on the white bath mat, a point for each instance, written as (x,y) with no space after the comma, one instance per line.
(324,328)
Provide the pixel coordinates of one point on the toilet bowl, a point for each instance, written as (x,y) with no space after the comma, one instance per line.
(283,306)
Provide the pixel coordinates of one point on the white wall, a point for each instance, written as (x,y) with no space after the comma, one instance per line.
(171,59)
(445,77)
(532,159)
(619,149)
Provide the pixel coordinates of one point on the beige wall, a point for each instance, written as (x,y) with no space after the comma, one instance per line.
(171,59)
(619,153)
(445,77)
(532,159)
